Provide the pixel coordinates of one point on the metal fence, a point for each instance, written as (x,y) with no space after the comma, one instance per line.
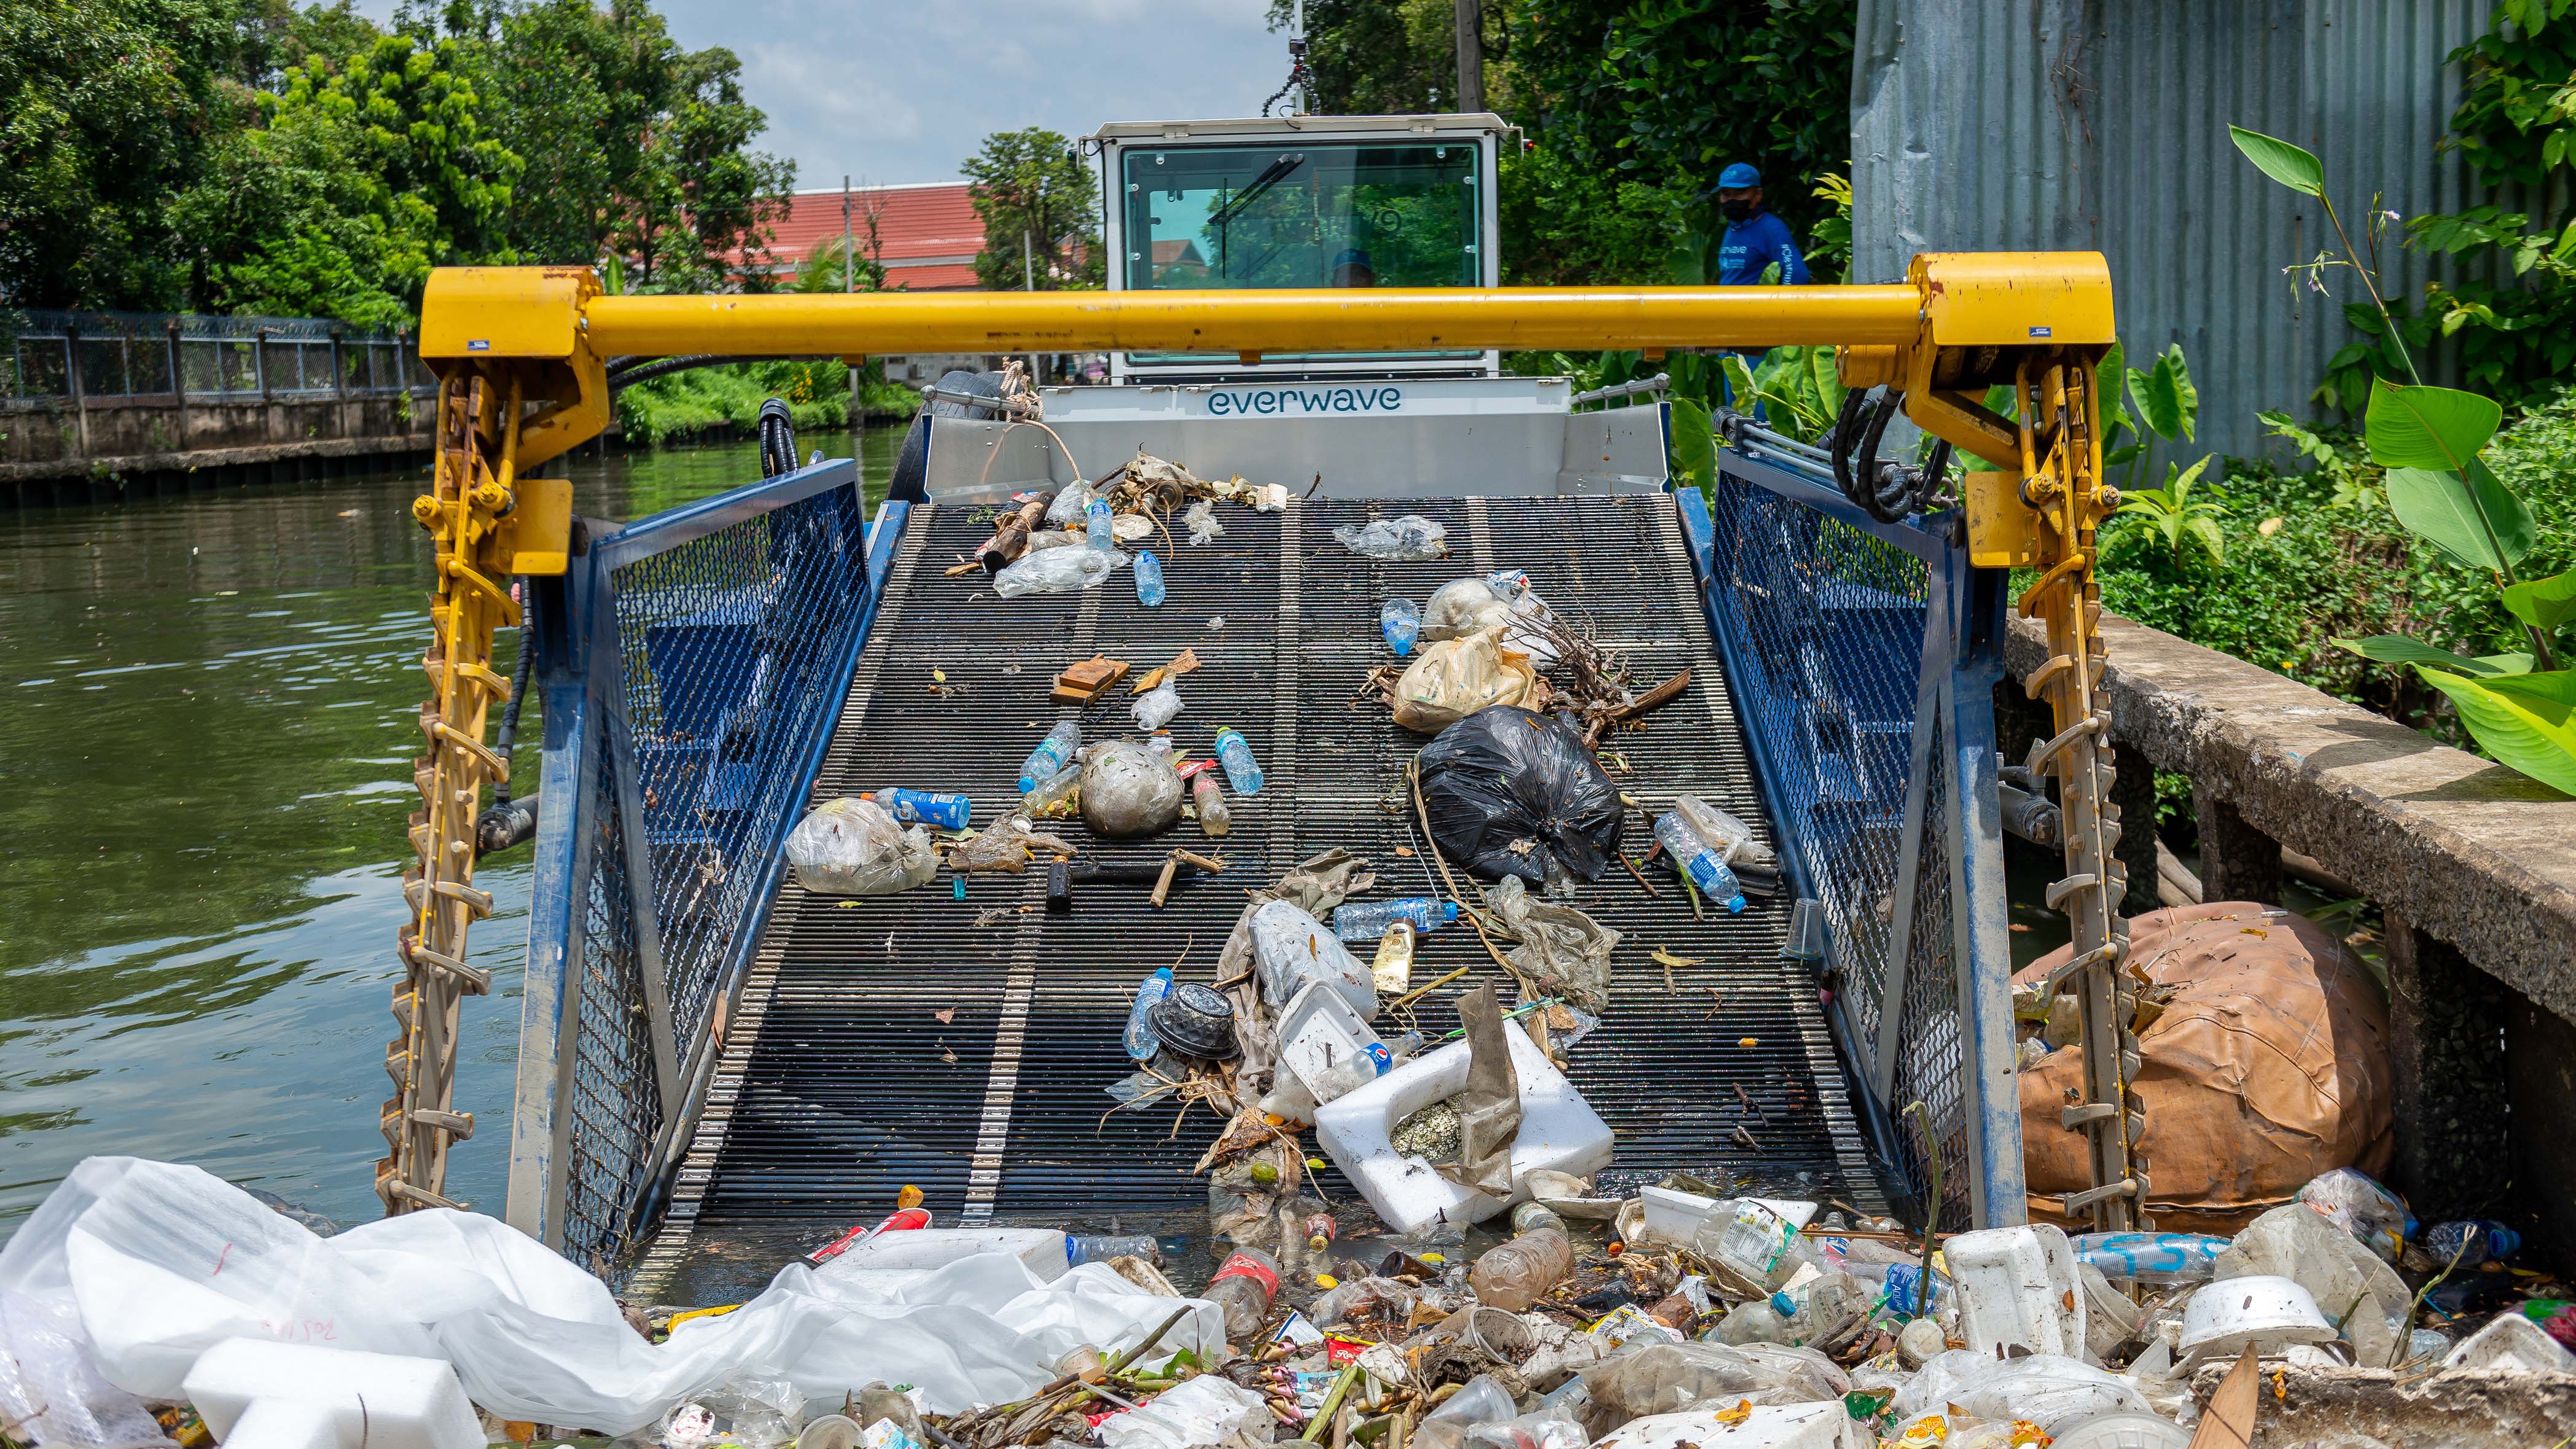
(1862,656)
(105,358)
(692,667)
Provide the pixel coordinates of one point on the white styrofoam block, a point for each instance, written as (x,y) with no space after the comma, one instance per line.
(1773,1426)
(1043,1249)
(380,1400)
(2018,1286)
(1559,1131)
(286,1424)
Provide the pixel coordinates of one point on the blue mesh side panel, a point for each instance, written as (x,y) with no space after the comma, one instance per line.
(613,1102)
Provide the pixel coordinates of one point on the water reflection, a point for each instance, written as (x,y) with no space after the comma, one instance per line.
(207,724)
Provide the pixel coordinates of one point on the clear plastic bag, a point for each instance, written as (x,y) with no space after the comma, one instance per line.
(1463,606)
(1128,790)
(2356,1203)
(1669,1377)
(1068,505)
(852,847)
(1292,948)
(1457,677)
(1058,571)
(1731,838)
(1409,539)
(759,1411)
(1202,521)
(2048,1390)
(1156,706)
(1544,1430)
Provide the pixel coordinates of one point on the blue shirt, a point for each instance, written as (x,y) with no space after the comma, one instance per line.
(1755,243)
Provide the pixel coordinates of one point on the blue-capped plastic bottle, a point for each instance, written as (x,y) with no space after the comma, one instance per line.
(2492,1239)
(1142,1044)
(1236,756)
(1096,525)
(1149,580)
(1049,758)
(1400,620)
(1697,863)
(946,810)
(1368,920)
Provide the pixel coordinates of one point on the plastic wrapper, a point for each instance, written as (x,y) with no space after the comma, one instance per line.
(1066,510)
(1508,792)
(1369,1297)
(123,1244)
(1292,948)
(1207,1410)
(2045,1389)
(1562,951)
(1457,677)
(1409,539)
(2356,1203)
(1670,1377)
(757,1410)
(1128,790)
(1481,1400)
(1058,571)
(1202,522)
(1156,706)
(1046,538)
(1545,1430)
(851,847)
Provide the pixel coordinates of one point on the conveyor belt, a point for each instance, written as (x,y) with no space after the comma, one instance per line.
(840,1081)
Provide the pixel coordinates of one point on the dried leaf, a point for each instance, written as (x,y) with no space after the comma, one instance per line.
(946,1015)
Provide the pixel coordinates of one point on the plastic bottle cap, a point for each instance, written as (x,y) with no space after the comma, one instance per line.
(1449,911)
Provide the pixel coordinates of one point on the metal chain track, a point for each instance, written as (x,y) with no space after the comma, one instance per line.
(477,436)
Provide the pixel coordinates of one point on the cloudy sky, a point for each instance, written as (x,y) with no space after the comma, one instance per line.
(903,90)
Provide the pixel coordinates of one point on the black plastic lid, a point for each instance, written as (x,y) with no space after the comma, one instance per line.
(1196,1021)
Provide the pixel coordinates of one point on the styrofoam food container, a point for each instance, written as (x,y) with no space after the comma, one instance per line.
(1559,1131)
(1320,1036)
(2224,1316)
(2018,1286)
(2125,1431)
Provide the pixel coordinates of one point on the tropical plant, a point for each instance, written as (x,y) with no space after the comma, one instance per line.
(2521,708)
(2172,514)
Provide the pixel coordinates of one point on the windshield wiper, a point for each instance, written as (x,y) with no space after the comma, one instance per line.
(1271,176)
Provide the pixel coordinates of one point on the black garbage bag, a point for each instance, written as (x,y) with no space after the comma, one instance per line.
(1508,790)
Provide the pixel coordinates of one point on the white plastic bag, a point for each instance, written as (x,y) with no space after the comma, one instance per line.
(852,847)
(1409,539)
(1205,1411)
(1292,948)
(1156,706)
(2046,1389)
(161,1262)
(1463,606)
(1058,571)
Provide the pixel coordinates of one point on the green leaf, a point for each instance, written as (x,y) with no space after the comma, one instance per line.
(2123,454)
(2290,165)
(2207,531)
(2437,508)
(2165,397)
(2398,649)
(1694,441)
(2364,318)
(1686,267)
(2526,722)
(2427,427)
(2544,604)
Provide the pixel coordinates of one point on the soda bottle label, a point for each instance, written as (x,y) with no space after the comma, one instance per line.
(1381,1057)
(1242,1266)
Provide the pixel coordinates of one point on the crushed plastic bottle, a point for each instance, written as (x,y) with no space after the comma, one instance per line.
(1392,971)
(1098,531)
(944,809)
(1149,580)
(1401,622)
(1697,863)
(1518,1273)
(1369,920)
(1411,538)
(1081,1248)
(1797,1315)
(1236,755)
(1142,1044)
(1209,799)
(2485,1239)
(1243,1287)
(1054,795)
(1052,754)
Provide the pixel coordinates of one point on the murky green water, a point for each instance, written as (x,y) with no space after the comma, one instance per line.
(206,733)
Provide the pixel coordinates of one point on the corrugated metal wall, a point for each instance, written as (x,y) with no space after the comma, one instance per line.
(2101,125)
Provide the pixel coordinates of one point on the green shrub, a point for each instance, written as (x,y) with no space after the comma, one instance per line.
(729,396)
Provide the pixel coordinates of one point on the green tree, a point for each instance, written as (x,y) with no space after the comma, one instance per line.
(284,222)
(1040,210)
(106,107)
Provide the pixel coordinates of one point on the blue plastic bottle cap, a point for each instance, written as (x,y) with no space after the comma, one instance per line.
(1449,912)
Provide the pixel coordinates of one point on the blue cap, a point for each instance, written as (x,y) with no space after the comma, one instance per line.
(1738,175)
(1354,257)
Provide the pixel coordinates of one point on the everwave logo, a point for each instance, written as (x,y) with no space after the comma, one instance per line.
(1268,401)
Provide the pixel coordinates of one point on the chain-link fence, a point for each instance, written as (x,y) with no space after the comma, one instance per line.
(103,358)
(1847,642)
(693,674)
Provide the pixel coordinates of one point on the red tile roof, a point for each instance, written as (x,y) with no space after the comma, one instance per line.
(927,234)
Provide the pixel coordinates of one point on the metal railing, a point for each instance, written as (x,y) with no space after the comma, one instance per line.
(692,665)
(102,359)
(1861,656)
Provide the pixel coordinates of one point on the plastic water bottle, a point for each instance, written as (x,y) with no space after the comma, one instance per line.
(1214,818)
(1048,759)
(943,809)
(1519,1273)
(1149,581)
(1697,863)
(1054,795)
(1142,1044)
(1400,620)
(1368,920)
(1096,526)
(1081,1248)
(1236,756)
(1243,1287)
(2493,1240)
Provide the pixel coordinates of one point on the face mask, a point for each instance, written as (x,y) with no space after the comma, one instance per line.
(1736,210)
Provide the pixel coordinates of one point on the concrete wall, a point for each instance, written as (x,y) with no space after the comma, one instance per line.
(53,438)
(2101,125)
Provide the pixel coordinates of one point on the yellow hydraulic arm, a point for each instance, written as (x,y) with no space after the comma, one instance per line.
(521,355)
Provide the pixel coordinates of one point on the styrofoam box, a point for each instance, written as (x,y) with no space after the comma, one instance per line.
(391,1401)
(1318,1030)
(1559,1130)
(1043,1249)
(2018,1286)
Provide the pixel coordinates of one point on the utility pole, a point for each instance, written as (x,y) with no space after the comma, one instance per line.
(1029,282)
(1471,55)
(850,283)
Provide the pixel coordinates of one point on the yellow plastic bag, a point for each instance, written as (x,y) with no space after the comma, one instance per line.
(1457,677)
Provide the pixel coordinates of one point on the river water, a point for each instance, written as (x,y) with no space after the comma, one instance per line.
(207,723)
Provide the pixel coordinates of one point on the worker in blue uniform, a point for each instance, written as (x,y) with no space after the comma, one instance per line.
(1755,242)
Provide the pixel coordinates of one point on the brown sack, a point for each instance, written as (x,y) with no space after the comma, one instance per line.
(2269,1067)
(1457,677)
